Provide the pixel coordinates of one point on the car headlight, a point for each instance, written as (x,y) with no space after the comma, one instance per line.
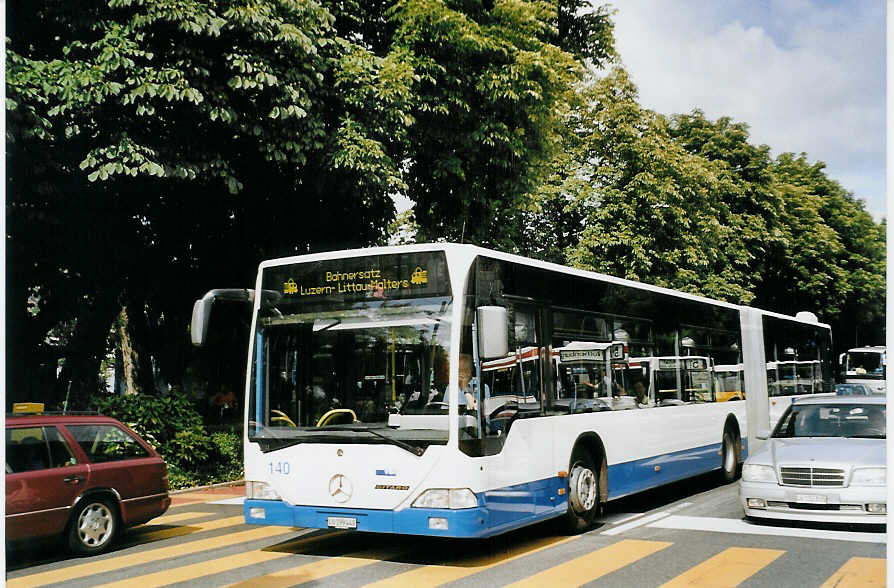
(260,491)
(870,477)
(452,498)
(752,472)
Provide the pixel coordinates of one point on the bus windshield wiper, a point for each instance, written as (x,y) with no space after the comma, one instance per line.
(417,451)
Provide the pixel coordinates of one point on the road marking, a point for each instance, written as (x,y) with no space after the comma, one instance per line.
(644,520)
(637,523)
(148,556)
(619,518)
(858,572)
(728,568)
(227,563)
(594,565)
(721,525)
(177,517)
(317,570)
(197,570)
(435,575)
(147,535)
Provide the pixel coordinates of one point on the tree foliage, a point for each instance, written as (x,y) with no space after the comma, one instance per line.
(152,144)
(642,207)
(835,259)
(156,149)
(159,148)
(691,204)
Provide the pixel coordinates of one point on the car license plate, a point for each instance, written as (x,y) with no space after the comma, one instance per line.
(810,499)
(341,522)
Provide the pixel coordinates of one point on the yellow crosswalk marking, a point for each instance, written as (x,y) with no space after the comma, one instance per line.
(221,564)
(435,575)
(858,572)
(148,535)
(177,517)
(197,570)
(316,570)
(730,567)
(148,556)
(596,564)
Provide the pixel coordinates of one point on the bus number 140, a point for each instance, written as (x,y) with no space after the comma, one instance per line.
(280,467)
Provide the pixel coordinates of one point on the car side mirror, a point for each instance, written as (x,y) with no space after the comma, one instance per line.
(762,434)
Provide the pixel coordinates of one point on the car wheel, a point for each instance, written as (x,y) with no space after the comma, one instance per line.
(730,454)
(583,494)
(93,526)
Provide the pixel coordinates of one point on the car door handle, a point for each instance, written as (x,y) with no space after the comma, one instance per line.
(73,479)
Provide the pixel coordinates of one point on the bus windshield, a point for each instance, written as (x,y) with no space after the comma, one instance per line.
(866,364)
(338,366)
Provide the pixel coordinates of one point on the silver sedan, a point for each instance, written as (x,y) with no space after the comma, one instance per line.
(825,461)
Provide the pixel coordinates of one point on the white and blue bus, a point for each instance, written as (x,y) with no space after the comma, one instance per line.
(363,409)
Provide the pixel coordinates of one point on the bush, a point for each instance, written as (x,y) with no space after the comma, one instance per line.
(170,422)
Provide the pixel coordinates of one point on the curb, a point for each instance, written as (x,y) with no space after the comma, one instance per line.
(208,487)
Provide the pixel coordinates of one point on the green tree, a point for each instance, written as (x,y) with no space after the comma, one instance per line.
(158,149)
(812,245)
(490,84)
(835,262)
(756,207)
(645,208)
(158,144)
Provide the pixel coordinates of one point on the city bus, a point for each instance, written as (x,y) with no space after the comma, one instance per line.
(363,408)
(866,365)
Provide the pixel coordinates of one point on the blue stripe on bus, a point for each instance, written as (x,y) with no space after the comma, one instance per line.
(501,509)
(498,511)
(643,474)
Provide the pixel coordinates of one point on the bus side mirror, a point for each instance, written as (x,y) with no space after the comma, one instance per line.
(493,332)
(201,315)
(201,310)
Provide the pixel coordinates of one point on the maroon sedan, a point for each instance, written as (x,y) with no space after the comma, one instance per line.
(86,477)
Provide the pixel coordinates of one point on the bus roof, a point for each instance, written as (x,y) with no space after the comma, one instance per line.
(469,252)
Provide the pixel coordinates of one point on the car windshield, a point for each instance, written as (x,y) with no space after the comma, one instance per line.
(852,390)
(833,420)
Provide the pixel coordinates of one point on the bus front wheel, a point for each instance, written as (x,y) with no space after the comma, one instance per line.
(583,494)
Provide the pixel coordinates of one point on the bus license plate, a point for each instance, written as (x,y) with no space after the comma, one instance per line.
(810,499)
(341,522)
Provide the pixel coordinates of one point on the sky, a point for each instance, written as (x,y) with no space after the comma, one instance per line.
(805,75)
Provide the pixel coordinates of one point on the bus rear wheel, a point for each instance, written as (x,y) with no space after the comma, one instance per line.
(583,494)
(730,455)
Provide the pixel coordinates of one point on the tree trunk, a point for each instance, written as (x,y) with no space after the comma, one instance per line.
(136,357)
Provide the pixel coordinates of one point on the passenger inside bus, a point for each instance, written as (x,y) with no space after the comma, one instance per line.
(468,384)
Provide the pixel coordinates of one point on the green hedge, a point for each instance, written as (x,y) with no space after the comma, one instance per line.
(170,422)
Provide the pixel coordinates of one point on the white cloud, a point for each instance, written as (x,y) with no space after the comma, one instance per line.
(806,75)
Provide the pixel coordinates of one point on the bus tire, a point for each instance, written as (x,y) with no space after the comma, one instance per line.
(729,468)
(583,493)
(93,526)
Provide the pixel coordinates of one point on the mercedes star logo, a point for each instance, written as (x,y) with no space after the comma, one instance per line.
(340,488)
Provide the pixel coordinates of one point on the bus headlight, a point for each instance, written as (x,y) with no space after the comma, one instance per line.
(869,477)
(752,472)
(260,491)
(452,498)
